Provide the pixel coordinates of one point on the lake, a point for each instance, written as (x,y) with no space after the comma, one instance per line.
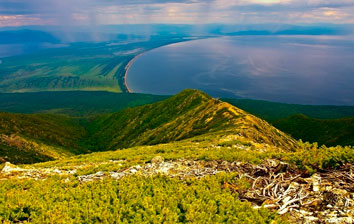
(290,69)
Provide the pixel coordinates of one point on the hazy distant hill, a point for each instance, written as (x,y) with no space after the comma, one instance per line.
(26,37)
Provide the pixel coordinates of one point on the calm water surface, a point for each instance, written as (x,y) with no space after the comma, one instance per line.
(301,69)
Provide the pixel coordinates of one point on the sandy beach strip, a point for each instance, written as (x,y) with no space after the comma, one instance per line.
(127,67)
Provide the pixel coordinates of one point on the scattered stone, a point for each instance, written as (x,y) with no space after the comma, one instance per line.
(322,198)
(9,168)
(12,171)
(133,170)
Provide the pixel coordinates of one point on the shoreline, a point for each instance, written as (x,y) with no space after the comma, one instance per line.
(127,67)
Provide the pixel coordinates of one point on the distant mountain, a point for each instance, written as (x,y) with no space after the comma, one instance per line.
(27,37)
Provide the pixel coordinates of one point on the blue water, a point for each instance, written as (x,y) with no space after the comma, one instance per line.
(291,69)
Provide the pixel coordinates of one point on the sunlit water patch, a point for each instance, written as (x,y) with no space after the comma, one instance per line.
(292,69)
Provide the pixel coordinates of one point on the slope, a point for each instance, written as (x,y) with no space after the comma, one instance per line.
(330,132)
(187,114)
(271,111)
(34,138)
(73,103)
(329,125)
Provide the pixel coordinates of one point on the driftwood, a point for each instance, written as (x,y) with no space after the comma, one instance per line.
(322,197)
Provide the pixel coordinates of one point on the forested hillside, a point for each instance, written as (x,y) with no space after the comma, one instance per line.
(330,132)
(182,116)
(73,103)
(329,125)
(35,138)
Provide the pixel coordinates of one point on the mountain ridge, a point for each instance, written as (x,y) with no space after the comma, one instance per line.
(182,116)
(188,114)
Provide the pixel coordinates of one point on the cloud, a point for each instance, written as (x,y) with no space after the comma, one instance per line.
(97,12)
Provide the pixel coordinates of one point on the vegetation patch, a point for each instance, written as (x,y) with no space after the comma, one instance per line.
(135,199)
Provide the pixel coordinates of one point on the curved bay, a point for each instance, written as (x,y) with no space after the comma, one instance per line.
(291,69)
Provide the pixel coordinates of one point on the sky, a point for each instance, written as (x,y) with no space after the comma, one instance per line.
(104,12)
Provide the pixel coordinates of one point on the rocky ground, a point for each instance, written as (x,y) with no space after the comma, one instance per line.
(324,197)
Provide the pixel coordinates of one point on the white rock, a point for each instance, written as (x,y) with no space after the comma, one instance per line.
(133,170)
(57,171)
(99,174)
(72,171)
(116,175)
(8,168)
(315,187)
